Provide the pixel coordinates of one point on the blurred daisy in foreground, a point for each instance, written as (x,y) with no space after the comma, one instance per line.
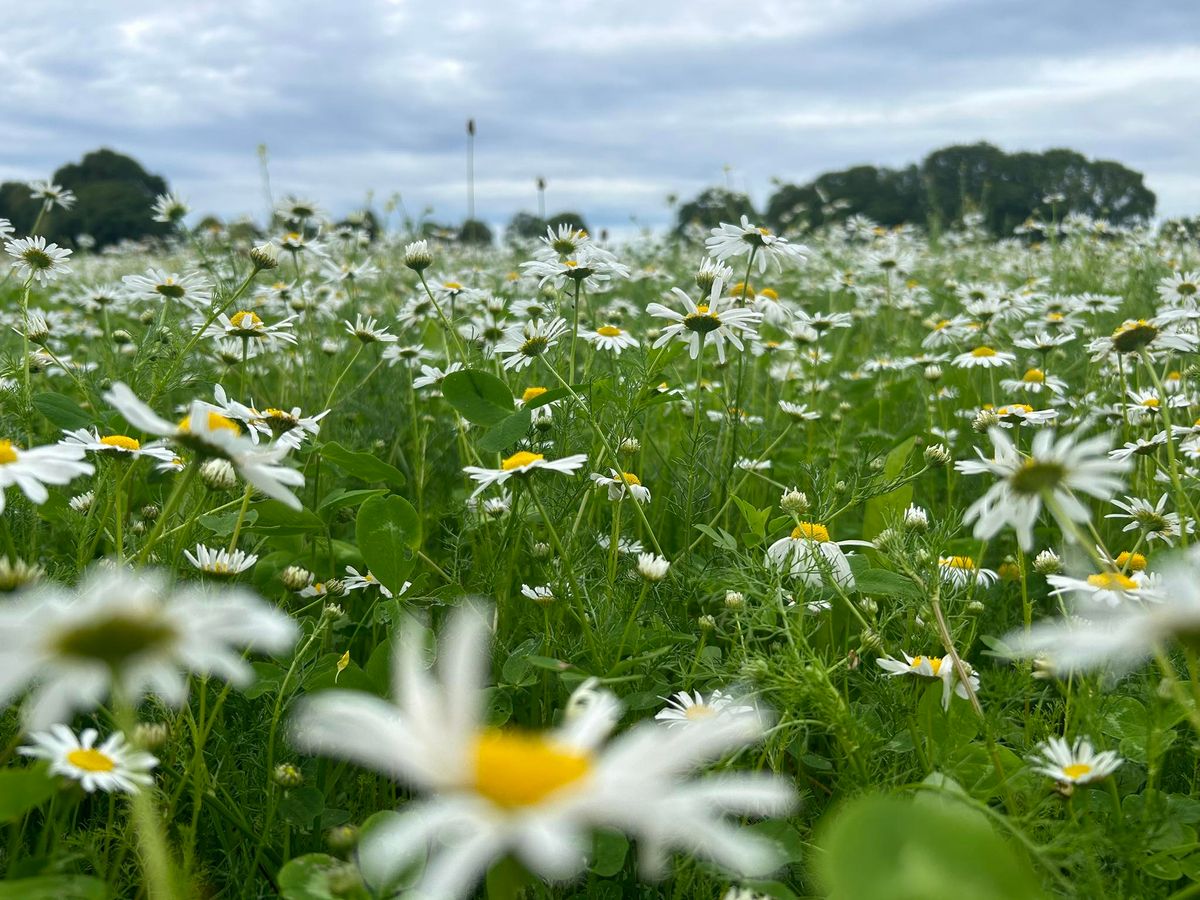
(522,463)
(31,470)
(1071,764)
(129,629)
(114,766)
(537,795)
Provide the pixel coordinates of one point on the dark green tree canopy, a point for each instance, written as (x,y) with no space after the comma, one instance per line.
(712,207)
(114,199)
(1006,188)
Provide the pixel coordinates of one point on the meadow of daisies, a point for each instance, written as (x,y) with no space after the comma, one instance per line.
(851,563)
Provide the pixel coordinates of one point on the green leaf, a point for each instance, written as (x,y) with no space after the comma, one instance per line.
(274,517)
(223,525)
(878,510)
(301,806)
(882,582)
(61,410)
(874,847)
(312,877)
(478,397)
(23,789)
(609,851)
(508,432)
(388,531)
(339,498)
(366,466)
(55,887)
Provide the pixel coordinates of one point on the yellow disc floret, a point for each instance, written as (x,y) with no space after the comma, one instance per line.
(516,770)
(520,459)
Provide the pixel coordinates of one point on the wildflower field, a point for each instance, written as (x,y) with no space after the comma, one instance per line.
(851,563)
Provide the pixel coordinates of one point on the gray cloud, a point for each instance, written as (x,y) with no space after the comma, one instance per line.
(618,103)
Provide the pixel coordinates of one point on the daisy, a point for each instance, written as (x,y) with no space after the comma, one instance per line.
(813,556)
(541,594)
(798,412)
(51,194)
(625,546)
(537,795)
(1054,471)
(684,708)
(1022,414)
(114,766)
(1180,288)
(191,289)
(209,433)
(610,338)
(651,566)
(526,342)
(961,571)
(984,357)
(621,483)
(1152,520)
(1133,335)
(34,259)
(1034,381)
(31,470)
(940,667)
(247,325)
(589,269)
(1140,447)
(521,463)
(432,376)
(115,446)
(130,629)
(360,581)
(222,563)
(1108,588)
(368,331)
(714,322)
(1071,764)
(729,241)
(169,208)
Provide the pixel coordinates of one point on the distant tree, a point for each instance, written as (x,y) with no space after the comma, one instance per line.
(364,219)
(573,219)
(712,207)
(889,196)
(475,232)
(1185,230)
(525,225)
(114,198)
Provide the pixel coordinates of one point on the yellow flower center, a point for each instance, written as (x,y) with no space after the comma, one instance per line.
(1076,770)
(452,286)
(630,478)
(1054,317)
(1035,376)
(515,770)
(8,453)
(769,293)
(981,352)
(1014,409)
(245,319)
(699,711)
(121,442)
(1151,402)
(532,393)
(90,760)
(941,325)
(522,458)
(959,562)
(810,531)
(216,422)
(608,331)
(740,289)
(1112,581)
(1132,562)
(935,663)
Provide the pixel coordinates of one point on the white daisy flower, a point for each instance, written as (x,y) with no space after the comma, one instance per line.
(537,795)
(31,470)
(34,258)
(247,325)
(1152,520)
(112,767)
(714,322)
(521,463)
(1056,469)
(117,446)
(799,411)
(130,628)
(51,194)
(984,357)
(728,241)
(1071,764)
(169,208)
(1107,588)
(359,581)
(610,338)
(940,667)
(621,483)
(810,554)
(684,708)
(432,376)
(525,342)
(1034,381)
(191,288)
(652,567)
(961,571)
(220,562)
(542,593)
(368,331)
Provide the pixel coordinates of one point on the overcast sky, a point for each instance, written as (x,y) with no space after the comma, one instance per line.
(618,103)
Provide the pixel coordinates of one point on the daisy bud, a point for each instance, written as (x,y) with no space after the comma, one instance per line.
(840,487)
(122,337)
(734,600)
(933,373)
(975,606)
(335,587)
(264,256)
(870,639)
(417,256)
(37,329)
(1009,570)
(916,519)
(287,776)
(332,610)
(1047,563)
(652,567)
(147,316)
(794,502)
(541,550)
(296,578)
(343,838)
(937,455)
(707,623)
(889,539)
(756,669)
(868,605)
(138,527)
(150,512)
(630,445)
(151,735)
(81,503)
(984,420)
(17,573)
(330,347)
(218,475)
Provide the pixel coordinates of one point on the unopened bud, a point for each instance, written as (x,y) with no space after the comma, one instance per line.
(265,256)
(287,776)
(218,474)
(734,600)
(794,502)
(937,455)
(296,578)
(1047,563)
